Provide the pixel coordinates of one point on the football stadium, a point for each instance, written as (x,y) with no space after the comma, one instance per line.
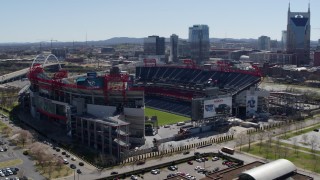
(106,110)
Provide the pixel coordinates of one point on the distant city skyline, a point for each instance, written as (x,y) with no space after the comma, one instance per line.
(78,20)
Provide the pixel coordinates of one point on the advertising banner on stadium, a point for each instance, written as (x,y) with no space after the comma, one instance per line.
(217,106)
(92,83)
(91,75)
(251,105)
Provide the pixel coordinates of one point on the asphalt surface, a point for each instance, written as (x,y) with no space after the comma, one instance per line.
(27,167)
(214,148)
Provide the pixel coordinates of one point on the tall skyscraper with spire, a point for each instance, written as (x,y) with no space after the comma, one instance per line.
(298,36)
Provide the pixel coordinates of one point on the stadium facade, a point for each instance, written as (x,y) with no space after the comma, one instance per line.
(106,111)
(102,111)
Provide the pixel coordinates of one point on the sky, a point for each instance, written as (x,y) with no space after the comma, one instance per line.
(71,20)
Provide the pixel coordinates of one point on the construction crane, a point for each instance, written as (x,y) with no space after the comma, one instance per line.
(45,41)
(52,40)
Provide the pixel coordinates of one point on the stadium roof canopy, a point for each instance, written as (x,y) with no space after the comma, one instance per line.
(272,170)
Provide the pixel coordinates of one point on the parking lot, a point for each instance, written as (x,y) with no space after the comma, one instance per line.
(10,173)
(192,169)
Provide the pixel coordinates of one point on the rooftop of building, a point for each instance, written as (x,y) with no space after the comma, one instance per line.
(117,120)
(233,173)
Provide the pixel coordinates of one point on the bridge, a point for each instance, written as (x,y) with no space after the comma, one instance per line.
(17,75)
(44,60)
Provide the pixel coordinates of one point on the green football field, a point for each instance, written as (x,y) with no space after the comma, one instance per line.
(164,117)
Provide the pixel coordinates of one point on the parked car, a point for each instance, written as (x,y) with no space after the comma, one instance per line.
(79,171)
(73,158)
(155,171)
(185,153)
(72,166)
(81,163)
(196,153)
(215,158)
(190,162)
(141,162)
(170,168)
(133,177)
(65,161)
(171,175)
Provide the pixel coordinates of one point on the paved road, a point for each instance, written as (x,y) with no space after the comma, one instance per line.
(28,165)
(8,77)
(214,148)
(89,173)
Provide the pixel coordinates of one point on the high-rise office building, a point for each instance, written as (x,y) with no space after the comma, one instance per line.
(298,36)
(183,48)
(264,43)
(199,43)
(284,40)
(154,45)
(174,48)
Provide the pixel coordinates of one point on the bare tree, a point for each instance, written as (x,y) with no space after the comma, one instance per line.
(296,126)
(250,139)
(162,149)
(269,136)
(261,137)
(50,162)
(42,159)
(240,140)
(59,164)
(301,125)
(6,130)
(305,138)
(285,129)
(24,136)
(313,143)
(37,152)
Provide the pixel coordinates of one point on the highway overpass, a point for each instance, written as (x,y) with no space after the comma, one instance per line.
(18,74)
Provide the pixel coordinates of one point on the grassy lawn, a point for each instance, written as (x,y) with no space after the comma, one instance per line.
(2,125)
(300,159)
(299,132)
(3,112)
(164,117)
(10,163)
(298,147)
